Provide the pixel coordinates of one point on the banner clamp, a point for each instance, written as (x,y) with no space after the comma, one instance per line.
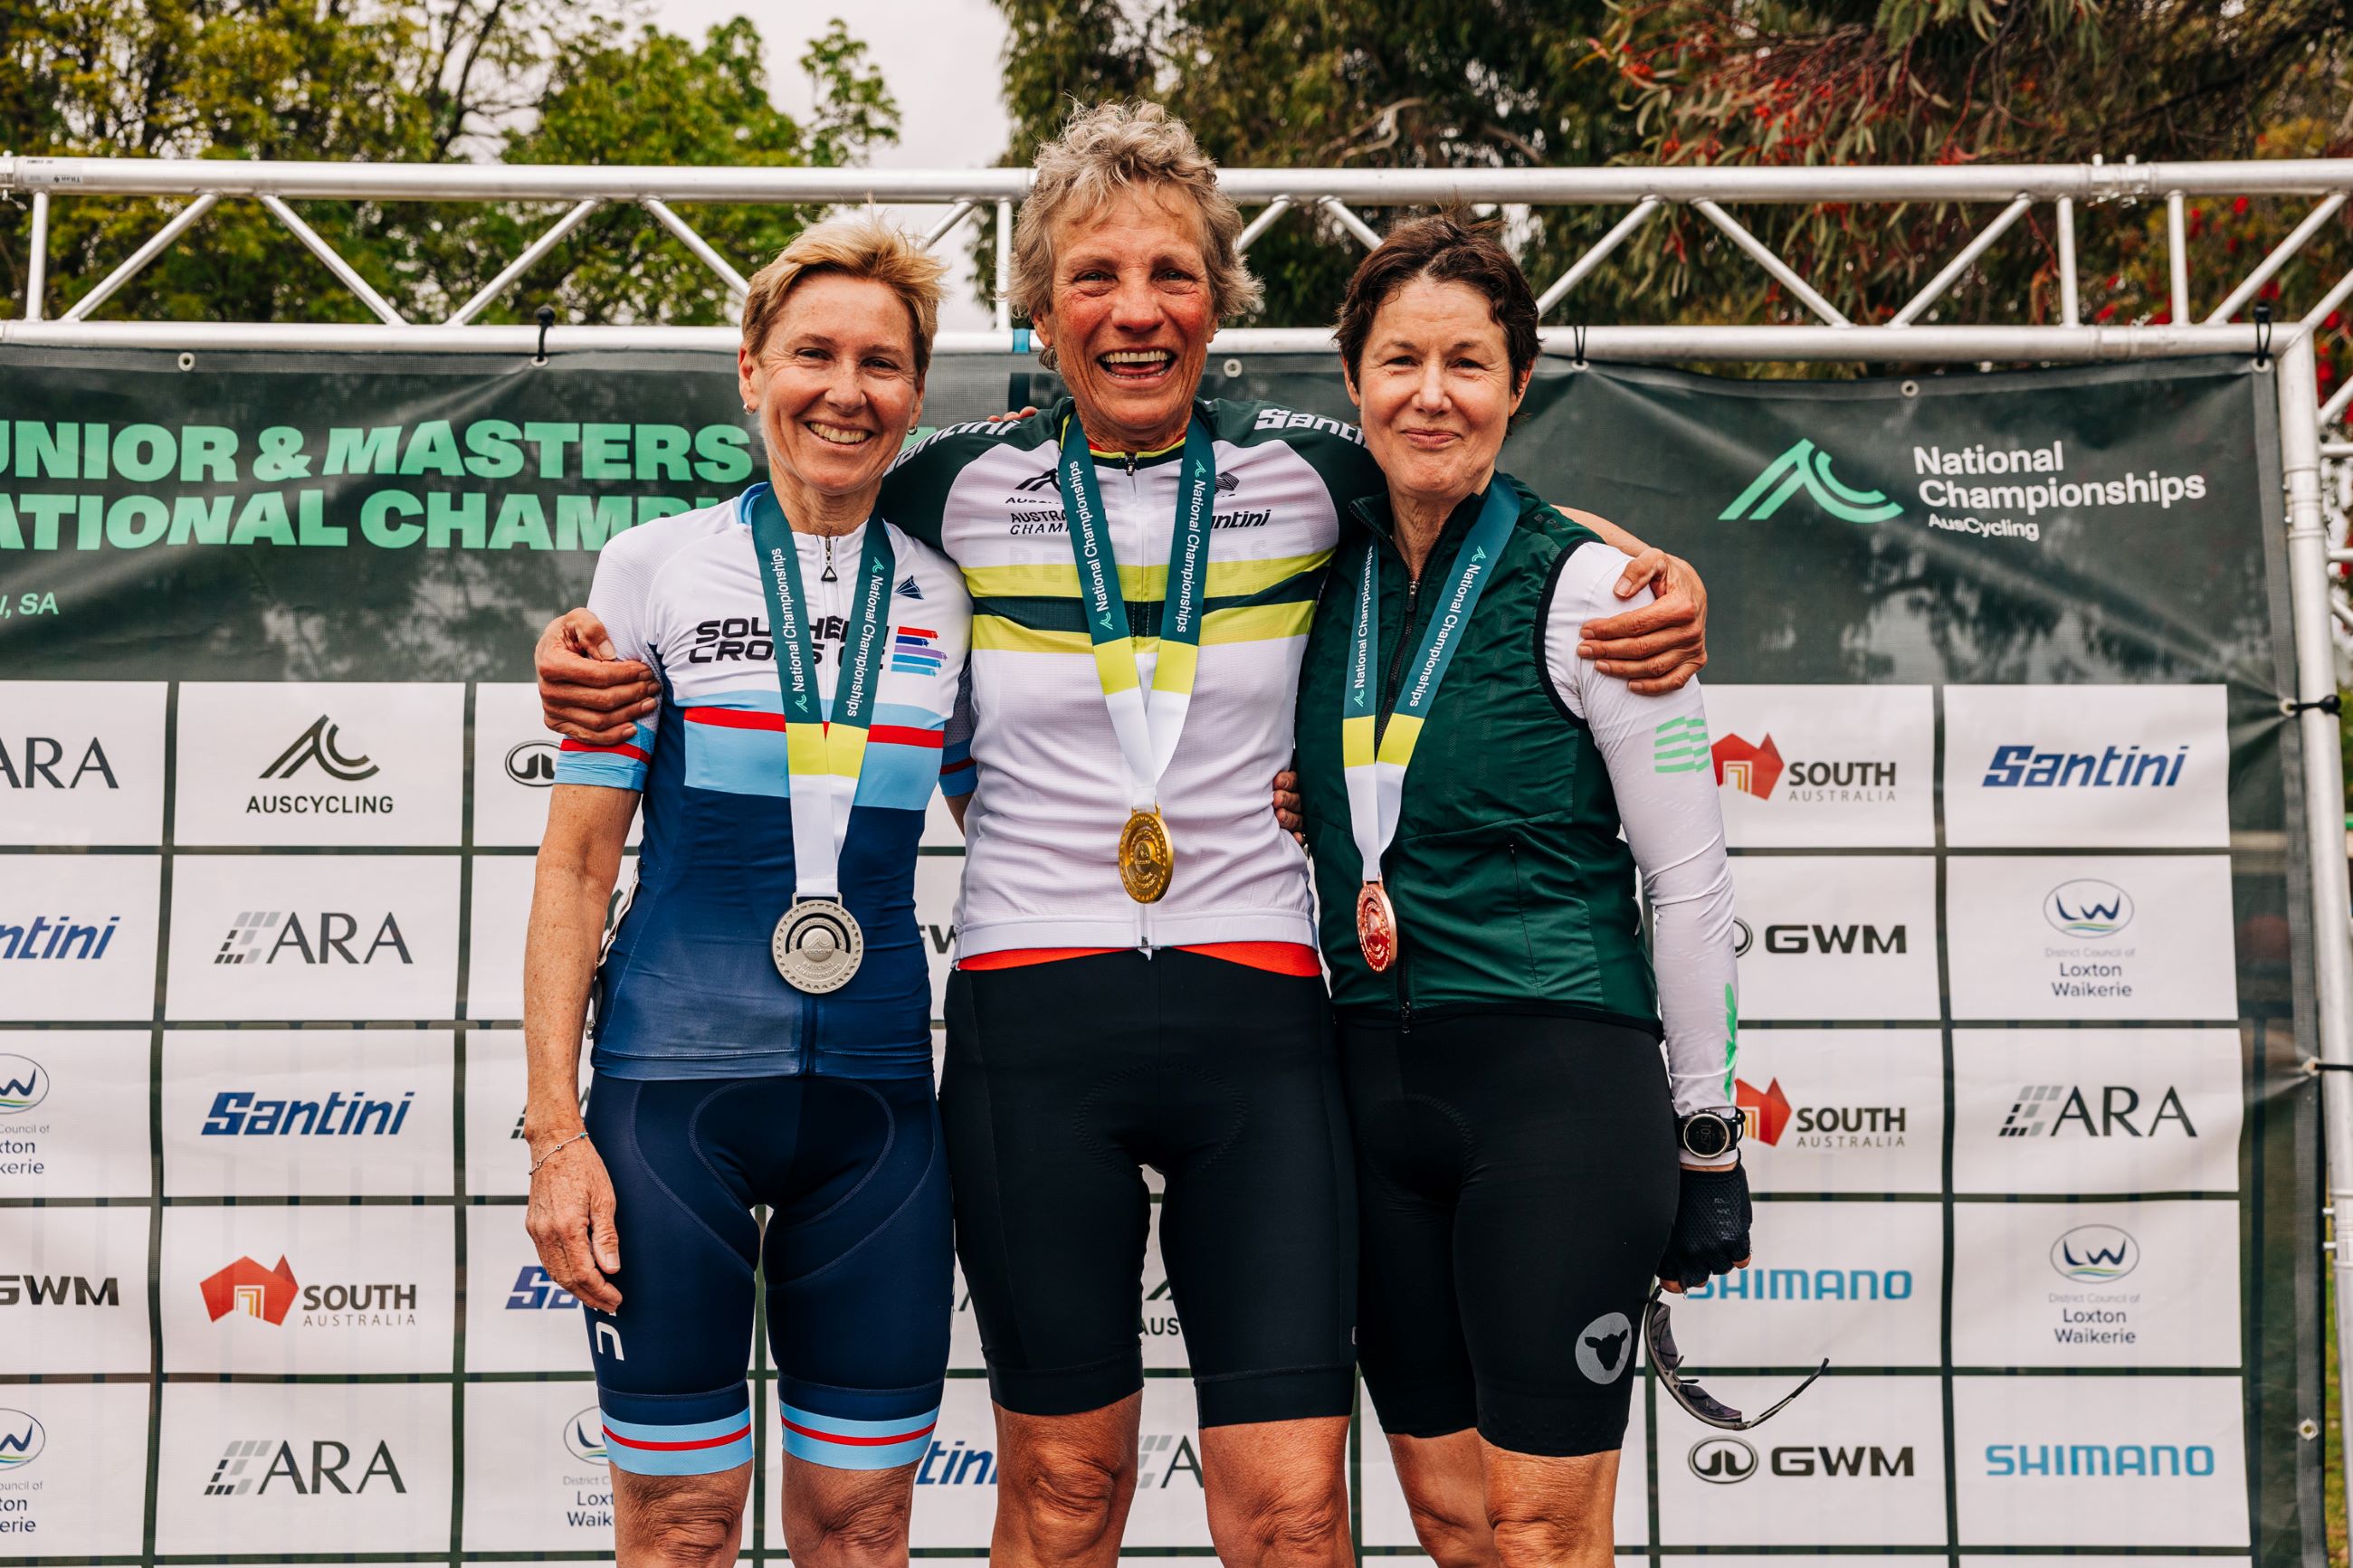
(546,314)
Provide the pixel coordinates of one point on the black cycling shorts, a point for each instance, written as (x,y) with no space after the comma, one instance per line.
(1063,1081)
(855,1258)
(1517,1178)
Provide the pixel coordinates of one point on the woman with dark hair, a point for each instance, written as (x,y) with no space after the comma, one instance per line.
(1465,778)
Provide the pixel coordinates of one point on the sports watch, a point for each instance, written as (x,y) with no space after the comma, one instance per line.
(1711,1134)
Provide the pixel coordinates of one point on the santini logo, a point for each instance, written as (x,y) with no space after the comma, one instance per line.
(2088,908)
(241,1113)
(2023,767)
(60,939)
(325,940)
(38,760)
(23,1084)
(317,745)
(1806,467)
(2096,1254)
(2071,1110)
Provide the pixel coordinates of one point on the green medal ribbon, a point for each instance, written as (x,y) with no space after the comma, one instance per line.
(822,758)
(1146,729)
(1373,767)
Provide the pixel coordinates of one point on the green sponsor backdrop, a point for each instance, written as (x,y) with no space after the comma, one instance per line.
(335,518)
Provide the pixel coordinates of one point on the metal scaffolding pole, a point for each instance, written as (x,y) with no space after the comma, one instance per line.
(2324,809)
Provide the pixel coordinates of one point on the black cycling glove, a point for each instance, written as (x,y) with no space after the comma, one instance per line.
(1711,1234)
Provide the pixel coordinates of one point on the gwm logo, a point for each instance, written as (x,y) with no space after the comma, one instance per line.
(1806,467)
(1720,1461)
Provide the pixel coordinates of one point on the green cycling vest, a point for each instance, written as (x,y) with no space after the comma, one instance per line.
(1513,890)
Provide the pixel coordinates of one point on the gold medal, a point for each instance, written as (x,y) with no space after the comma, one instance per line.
(1377,926)
(1146,860)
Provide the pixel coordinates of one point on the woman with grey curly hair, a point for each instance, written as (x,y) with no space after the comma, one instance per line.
(1136,981)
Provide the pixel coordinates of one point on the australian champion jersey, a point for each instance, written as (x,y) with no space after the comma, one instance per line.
(687,989)
(1043,829)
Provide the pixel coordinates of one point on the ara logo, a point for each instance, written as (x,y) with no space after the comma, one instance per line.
(23,1084)
(1603,1347)
(253,1465)
(2072,1110)
(533,763)
(327,938)
(1720,1461)
(246,1287)
(1806,467)
(1161,1457)
(2088,908)
(2096,1254)
(22,1438)
(583,1437)
(38,760)
(319,744)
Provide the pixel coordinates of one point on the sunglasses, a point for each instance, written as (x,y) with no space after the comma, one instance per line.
(1659,1344)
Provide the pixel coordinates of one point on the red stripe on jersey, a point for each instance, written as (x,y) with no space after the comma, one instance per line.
(904,735)
(623,749)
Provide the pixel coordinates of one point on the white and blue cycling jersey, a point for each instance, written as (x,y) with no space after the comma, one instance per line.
(687,989)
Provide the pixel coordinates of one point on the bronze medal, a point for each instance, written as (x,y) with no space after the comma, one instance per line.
(1146,859)
(1376,927)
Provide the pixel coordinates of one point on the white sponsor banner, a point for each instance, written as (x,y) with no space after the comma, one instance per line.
(536,1478)
(73,1293)
(1388,1524)
(73,1468)
(498,1160)
(1858,1282)
(517,1318)
(1842,1110)
(319,763)
(269,1468)
(937,880)
(78,937)
(2126,1461)
(2139,767)
(306,1113)
(297,937)
(501,925)
(2095,1110)
(1843,936)
(1827,766)
(292,1289)
(73,1113)
(2090,1284)
(1858,1461)
(82,762)
(2090,936)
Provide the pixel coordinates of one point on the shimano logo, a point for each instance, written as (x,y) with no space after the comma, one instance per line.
(2096,1460)
(1807,1285)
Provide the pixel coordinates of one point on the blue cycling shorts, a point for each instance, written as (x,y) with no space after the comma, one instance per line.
(855,1260)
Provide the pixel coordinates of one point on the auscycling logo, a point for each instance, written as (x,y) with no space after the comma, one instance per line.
(1806,467)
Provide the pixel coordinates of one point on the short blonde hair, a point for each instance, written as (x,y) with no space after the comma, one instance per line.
(1114,147)
(863,248)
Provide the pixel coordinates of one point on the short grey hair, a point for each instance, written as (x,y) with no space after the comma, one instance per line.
(1114,147)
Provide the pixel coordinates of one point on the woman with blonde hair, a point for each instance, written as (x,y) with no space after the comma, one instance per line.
(1136,985)
(763,1009)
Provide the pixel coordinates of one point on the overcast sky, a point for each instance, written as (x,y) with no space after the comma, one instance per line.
(940,59)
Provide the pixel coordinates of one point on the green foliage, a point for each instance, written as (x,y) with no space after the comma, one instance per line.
(536,81)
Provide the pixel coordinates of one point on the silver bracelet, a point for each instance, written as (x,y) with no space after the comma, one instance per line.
(559,1149)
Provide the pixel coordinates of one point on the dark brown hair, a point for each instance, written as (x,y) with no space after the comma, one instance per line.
(1446,248)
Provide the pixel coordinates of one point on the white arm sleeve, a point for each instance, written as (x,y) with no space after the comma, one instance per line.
(1661,769)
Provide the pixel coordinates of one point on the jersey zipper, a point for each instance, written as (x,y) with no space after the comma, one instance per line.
(829,576)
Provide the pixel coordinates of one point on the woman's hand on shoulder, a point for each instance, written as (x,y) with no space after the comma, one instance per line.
(1658,647)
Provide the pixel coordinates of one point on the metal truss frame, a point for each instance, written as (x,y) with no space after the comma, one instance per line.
(1907,337)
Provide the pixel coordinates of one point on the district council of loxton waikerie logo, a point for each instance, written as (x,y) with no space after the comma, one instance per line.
(1806,467)
(23,1084)
(2096,1254)
(22,1438)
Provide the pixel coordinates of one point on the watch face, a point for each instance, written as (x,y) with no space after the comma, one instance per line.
(1706,1136)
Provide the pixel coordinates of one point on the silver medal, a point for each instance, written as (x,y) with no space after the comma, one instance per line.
(817,946)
